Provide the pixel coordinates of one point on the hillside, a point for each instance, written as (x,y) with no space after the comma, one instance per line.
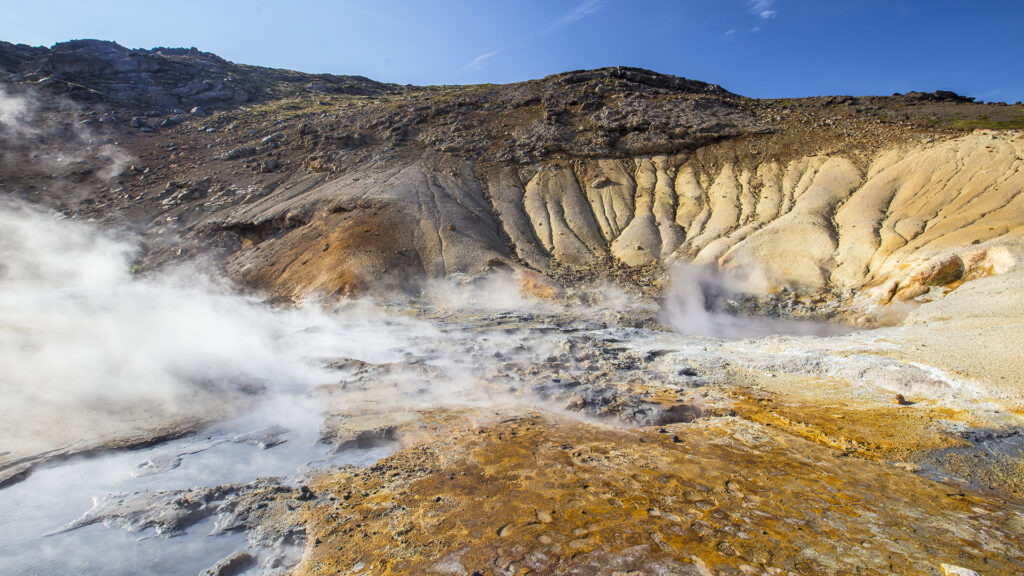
(541,293)
(566,174)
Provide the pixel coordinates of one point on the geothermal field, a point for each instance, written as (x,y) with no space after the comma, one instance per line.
(255,321)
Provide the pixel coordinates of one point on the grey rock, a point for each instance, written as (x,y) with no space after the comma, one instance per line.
(235,563)
(263,438)
(161,79)
(240,152)
(272,138)
(170,513)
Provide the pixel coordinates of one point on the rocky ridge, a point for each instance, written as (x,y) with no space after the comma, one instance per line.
(307,190)
(161,79)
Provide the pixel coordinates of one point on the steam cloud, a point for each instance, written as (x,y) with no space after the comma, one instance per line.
(39,132)
(85,343)
(693,306)
(89,344)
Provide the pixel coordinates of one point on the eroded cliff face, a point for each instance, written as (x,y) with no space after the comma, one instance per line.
(322,185)
(864,228)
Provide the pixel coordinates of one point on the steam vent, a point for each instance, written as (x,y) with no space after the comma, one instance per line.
(607,322)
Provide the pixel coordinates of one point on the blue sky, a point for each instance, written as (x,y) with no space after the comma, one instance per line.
(761,48)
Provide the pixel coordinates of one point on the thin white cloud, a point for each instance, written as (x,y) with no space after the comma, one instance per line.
(477,63)
(581,11)
(730,33)
(763,8)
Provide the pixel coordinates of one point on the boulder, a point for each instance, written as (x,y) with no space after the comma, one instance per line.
(240,152)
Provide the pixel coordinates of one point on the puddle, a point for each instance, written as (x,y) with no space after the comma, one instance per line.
(225,454)
(100,550)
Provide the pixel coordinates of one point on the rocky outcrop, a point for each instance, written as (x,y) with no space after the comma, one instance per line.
(895,224)
(161,78)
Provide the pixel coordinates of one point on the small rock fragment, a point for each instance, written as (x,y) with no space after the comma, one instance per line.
(538,285)
(236,563)
(305,494)
(582,543)
(269,165)
(951,570)
(240,152)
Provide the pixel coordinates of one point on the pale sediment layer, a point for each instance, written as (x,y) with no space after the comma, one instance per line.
(873,229)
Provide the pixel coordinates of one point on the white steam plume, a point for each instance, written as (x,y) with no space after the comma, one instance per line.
(89,350)
(42,132)
(691,304)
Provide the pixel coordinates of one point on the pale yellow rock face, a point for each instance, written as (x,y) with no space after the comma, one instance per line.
(848,224)
(798,248)
(640,242)
(610,190)
(562,218)
(825,222)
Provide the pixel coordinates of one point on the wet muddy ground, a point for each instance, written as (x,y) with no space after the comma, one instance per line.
(554,439)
